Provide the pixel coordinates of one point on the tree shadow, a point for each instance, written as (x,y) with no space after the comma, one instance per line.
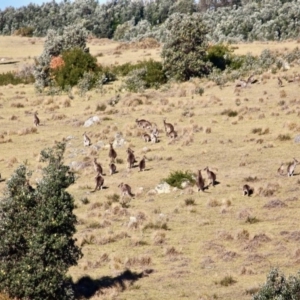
(87,287)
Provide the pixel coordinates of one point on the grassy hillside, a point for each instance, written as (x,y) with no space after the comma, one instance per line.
(184,244)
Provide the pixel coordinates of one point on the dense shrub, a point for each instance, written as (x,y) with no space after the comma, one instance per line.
(145,74)
(220,55)
(76,63)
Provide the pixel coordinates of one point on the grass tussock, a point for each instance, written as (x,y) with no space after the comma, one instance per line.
(229,112)
(227,281)
(177,178)
(284,137)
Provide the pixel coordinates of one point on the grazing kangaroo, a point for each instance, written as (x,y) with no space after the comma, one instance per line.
(36,120)
(143,123)
(112,154)
(291,167)
(211,176)
(173,134)
(142,164)
(146,137)
(112,168)
(98,167)
(86,140)
(168,127)
(125,190)
(200,181)
(99,182)
(131,158)
(247,190)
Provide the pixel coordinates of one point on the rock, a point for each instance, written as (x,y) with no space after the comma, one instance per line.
(119,140)
(163,188)
(297,139)
(132,222)
(91,121)
(98,145)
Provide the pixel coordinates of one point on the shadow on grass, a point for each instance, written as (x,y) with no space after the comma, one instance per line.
(86,287)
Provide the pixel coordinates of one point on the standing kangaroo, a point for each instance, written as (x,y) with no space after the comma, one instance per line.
(98,167)
(131,158)
(36,120)
(200,181)
(168,127)
(291,167)
(99,182)
(112,168)
(112,154)
(142,164)
(211,176)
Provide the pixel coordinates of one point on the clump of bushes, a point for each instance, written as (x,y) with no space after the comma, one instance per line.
(145,74)
(278,286)
(176,178)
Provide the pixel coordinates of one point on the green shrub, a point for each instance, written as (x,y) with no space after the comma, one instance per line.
(76,64)
(145,74)
(220,56)
(176,178)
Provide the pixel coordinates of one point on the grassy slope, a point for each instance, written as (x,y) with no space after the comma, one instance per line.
(210,238)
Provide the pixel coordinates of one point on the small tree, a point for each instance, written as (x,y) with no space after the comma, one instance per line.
(184,53)
(36,228)
(278,287)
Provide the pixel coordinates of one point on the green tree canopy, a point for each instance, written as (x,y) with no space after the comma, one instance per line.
(184,53)
(36,228)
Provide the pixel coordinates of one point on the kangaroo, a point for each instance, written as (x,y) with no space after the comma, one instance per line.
(86,140)
(211,176)
(247,190)
(125,190)
(98,167)
(168,127)
(143,123)
(131,158)
(200,181)
(112,168)
(280,170)
(291,167)
(172,134)
(142,164)
(28,185)
(279,81)
(112,154)
(146,137)
(36,120)
(99,182)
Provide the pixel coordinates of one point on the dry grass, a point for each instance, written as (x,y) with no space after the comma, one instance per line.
(183,235)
